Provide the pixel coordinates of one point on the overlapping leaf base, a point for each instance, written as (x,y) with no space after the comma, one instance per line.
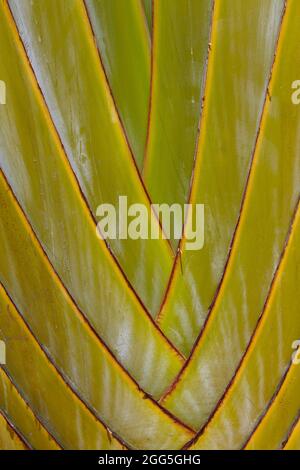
(143,344)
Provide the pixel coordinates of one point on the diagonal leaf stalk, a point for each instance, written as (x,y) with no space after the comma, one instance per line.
(96,26)
(260,236)
(48,377)
(235,232)
(293,438)
(10,438)
(189,297)
(21,414)
(66,234)
(177,257)
(178,56)
(75,347)
(85,118)
(255,365)
(272,427)
(122,37)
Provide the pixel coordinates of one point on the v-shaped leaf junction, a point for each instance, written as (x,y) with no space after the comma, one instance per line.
(144,343)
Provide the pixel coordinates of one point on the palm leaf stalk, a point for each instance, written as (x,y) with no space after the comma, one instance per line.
(142,343)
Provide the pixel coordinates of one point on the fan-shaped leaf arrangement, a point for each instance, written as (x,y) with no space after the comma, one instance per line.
(144,344)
